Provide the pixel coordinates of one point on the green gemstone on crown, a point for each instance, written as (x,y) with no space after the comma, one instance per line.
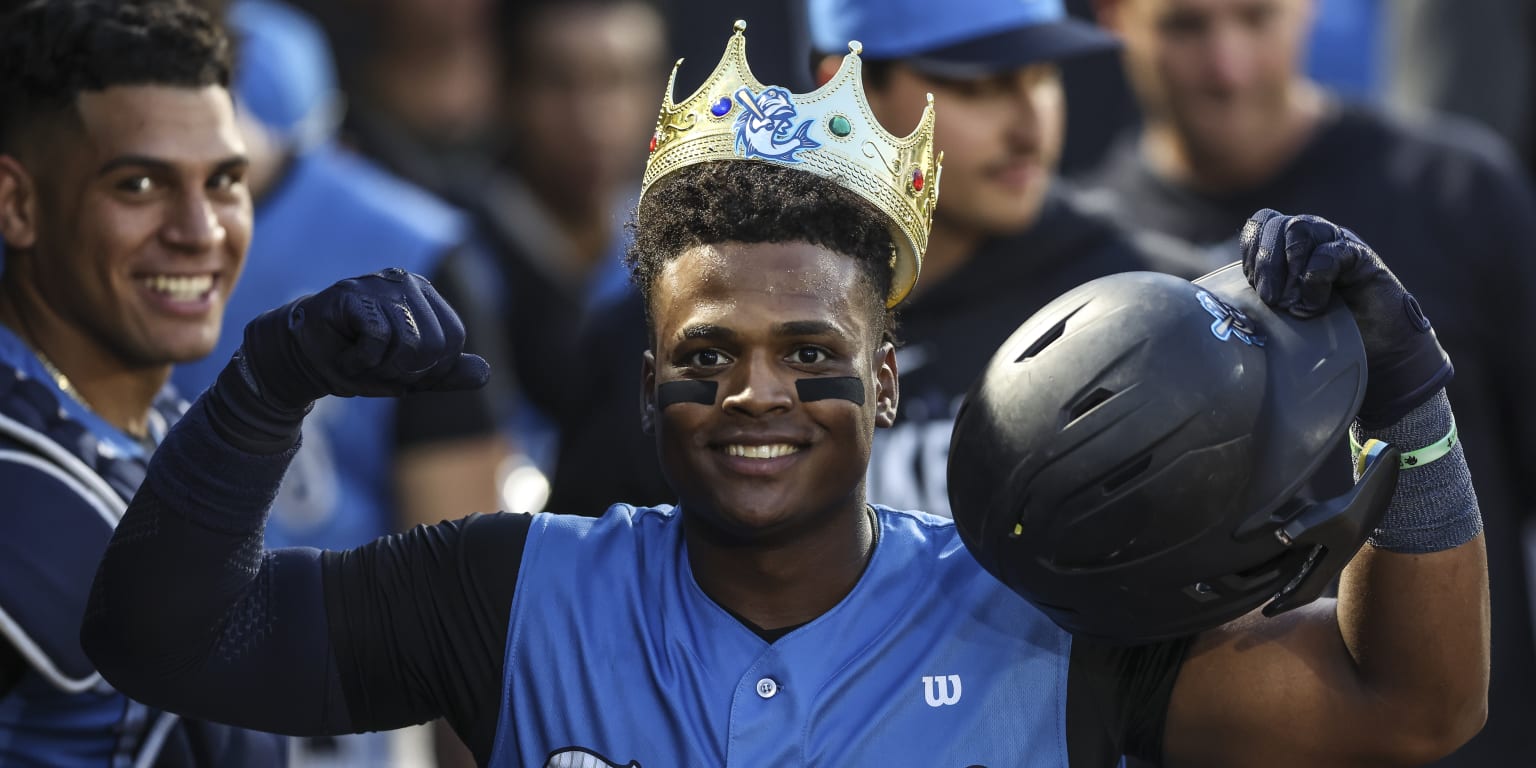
(839,126)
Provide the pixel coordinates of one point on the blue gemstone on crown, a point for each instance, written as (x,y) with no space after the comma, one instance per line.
(721,107)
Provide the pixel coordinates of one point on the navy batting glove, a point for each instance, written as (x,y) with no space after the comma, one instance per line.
(380,335)
(385,334)
(1298,263)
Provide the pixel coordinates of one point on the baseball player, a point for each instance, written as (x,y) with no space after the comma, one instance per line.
(125,219)
(776,616)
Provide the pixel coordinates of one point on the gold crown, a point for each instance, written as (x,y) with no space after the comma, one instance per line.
(831,132)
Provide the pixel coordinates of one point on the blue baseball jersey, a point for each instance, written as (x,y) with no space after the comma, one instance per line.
(335,215)
(616,657)
(66,477)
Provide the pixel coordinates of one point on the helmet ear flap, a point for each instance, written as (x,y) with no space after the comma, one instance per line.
(1335,529)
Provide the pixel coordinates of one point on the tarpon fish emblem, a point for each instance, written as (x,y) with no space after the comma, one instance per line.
(766,126)
(1230,321)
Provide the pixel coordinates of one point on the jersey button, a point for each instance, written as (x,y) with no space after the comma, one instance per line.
(766,687)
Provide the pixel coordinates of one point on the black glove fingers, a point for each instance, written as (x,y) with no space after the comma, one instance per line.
(418,340)
(383,334)
(366,325)
(468,372)
(1314,286)
(1270,271)
(1302,237)
(450,332)
(1249,242)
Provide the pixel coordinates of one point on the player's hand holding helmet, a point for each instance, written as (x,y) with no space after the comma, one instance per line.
(384,334)
(1135,457)
(1299,263)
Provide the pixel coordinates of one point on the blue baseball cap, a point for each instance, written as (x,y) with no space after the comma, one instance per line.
(955,38)
(285,77)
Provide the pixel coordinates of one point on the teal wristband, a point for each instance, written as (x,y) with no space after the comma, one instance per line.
(1411,459)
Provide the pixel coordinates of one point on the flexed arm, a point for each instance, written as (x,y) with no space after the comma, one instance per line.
(188,612)
(1396,671)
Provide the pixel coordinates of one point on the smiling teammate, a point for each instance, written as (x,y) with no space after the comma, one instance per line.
(125,218)
(774,617)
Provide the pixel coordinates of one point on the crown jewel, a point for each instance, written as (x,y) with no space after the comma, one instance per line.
(830,131)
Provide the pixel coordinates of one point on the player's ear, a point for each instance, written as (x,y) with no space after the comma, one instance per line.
(648,393)
(887,384)
(18,204)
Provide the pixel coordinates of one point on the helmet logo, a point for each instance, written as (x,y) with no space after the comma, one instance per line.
(1230,321)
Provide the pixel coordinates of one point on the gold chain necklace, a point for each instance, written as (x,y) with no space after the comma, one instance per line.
(61,381)
(68,387)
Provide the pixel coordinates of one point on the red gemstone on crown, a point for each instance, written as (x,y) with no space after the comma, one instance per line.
(917,180)
(654,138)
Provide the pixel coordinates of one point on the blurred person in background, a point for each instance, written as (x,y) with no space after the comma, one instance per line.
(1467,57)
(1230,124)
(126,215)
(578,102)
(1006,241)
(549,179)
(420,78)
(368,467)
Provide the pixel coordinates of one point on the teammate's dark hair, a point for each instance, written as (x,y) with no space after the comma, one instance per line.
(52,50)
(748,202)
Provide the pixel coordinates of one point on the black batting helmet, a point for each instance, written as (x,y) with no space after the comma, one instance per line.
(1132,460)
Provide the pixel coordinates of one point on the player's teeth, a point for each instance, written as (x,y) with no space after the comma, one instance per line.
(760,451)
(179,287)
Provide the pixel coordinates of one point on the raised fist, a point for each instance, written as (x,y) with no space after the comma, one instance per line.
(380,335)
(1298,263)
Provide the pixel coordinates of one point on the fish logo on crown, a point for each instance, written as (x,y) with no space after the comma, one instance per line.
(764,129)
(830,131)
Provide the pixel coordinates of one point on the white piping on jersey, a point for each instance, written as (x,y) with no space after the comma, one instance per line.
(63,458)
(34,655)
(98,494)
(155,740)
(109,514)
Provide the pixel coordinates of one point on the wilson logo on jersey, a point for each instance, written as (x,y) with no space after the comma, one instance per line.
(941,690)
(577,757)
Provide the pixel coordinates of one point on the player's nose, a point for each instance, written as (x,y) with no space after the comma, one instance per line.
(758,386)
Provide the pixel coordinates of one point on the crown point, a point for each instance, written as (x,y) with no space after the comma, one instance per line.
(855,47)
(740,26)
(930,99)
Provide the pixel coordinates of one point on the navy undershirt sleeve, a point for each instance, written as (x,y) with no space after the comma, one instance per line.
(419,623)
(189,613)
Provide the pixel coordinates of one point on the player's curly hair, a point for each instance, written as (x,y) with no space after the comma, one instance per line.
(747,202)
(52,50)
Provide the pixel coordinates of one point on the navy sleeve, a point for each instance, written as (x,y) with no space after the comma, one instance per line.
(51,537)
(188,613)
(419,624)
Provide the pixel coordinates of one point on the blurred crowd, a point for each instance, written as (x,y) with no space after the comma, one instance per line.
(496,146)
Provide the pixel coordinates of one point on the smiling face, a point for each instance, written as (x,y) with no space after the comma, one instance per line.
(1001,136)
(755,318)
(130,220)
